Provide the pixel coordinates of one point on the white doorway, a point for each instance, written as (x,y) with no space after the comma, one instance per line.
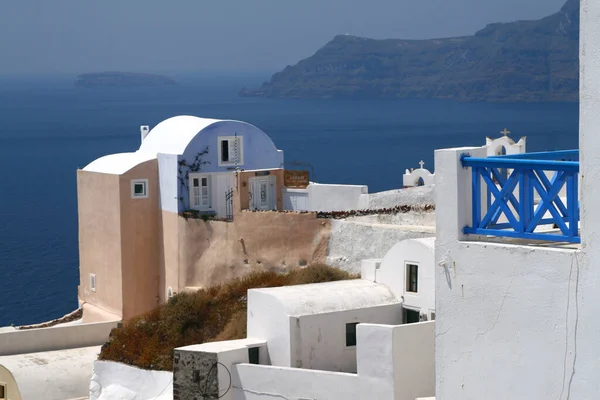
(262,193)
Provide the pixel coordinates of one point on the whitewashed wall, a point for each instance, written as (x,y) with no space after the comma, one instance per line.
(273,326)
(392,273)
(168,181)
(321,338)
(113,380)
(375,238)
(394,362)
(411,178)
(494,146)
(505,313)
(414,360)
(321,197)
(584,368)
(55,338)
(317,341)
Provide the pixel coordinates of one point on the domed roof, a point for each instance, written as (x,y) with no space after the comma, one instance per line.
(318,298)
(172,135)
(118,163)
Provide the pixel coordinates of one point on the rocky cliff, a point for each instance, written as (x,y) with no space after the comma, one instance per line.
(518,61)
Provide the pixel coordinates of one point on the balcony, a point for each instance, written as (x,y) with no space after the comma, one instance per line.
(531,196)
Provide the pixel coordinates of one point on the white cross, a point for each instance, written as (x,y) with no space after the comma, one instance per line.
(421,163)
(505,132)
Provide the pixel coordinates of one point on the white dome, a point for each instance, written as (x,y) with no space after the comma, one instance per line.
(173,135)
(118,163)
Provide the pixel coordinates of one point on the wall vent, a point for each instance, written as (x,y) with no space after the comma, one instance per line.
(93,282)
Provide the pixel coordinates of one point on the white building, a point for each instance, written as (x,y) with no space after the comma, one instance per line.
(517,306)
(418,177)
(338,340)
(503,145)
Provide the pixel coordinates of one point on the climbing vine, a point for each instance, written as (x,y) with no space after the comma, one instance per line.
(184,168)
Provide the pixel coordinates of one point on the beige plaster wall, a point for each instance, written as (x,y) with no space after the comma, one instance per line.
(140,241)
(213,251)
(168,254)
(243,189)
(100,240)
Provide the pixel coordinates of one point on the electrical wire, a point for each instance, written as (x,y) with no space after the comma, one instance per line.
(165,388)
(205,394)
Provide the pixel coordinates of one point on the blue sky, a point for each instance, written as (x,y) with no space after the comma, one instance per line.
(73,36)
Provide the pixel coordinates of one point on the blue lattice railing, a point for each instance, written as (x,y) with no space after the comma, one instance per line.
(523,196)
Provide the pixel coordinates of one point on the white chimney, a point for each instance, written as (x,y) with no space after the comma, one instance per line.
(144,129)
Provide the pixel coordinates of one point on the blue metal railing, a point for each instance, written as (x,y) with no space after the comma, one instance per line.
(504,187)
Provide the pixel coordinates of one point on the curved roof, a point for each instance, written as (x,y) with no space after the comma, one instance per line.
(118,163)
(327,297)
(428,242)
(172,135)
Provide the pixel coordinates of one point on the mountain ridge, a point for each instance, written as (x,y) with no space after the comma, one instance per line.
(530,61)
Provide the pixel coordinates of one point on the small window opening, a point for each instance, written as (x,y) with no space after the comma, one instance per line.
(420,182)
(351,334)
(139,188)
(411,316)
(92,284)
(412,278)
(3,392)
(253,355)
(224,150)
(433,315)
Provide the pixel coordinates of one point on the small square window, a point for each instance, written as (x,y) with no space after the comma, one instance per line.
(3,392)
(231,150)
(412,278)
(139,188)
(253,353)
(433,315)
(93,282)
(351,334)
(224,151)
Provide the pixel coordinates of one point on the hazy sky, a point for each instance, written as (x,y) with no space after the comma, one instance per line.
(73,36)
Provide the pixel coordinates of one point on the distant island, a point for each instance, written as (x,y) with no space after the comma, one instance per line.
(122,79)
(524,61)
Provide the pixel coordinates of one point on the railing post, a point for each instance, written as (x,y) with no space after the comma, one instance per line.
(525,199)
(476,196)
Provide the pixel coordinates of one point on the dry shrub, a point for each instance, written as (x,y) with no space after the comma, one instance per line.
(213,314)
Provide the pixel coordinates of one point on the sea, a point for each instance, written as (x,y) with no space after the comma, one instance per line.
(49,129)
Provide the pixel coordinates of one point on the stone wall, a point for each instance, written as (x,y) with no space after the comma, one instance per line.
(195,375)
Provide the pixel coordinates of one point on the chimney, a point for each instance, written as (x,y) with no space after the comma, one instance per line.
(144,129)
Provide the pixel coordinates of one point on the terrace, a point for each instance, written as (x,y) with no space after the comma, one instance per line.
(532,197)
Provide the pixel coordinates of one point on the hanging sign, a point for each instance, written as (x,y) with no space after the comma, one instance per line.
(295,179)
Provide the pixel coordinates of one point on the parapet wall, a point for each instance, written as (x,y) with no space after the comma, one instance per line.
(55,338)
(212,252)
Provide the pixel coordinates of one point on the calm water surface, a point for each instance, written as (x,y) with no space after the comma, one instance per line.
(48,130)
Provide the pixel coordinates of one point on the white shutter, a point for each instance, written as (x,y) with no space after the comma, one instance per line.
(195,192)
